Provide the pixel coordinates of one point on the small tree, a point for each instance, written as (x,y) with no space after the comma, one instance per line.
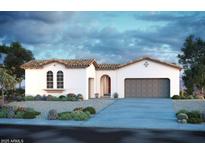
(192,58)
(7,82)
(16,55)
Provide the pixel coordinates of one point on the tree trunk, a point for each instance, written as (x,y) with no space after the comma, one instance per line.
(202,90)
(20,85)
(2,93)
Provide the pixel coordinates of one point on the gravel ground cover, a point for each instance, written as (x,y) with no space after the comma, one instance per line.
(61,106)
(189,105)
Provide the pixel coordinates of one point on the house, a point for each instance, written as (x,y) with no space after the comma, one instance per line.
(142,77)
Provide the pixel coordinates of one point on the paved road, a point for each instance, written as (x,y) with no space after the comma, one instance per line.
(9,133)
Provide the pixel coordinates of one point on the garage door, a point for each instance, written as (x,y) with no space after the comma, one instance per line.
(147,88)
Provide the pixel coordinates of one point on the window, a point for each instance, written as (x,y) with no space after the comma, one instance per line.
(60,79)
(49,79)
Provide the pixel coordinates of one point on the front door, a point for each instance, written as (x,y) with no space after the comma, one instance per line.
(91,88)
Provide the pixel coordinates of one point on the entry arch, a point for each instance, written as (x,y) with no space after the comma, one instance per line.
(105,85)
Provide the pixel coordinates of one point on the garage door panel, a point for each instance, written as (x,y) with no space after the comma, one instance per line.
(147,88)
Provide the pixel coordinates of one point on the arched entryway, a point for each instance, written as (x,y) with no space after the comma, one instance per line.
(105,86)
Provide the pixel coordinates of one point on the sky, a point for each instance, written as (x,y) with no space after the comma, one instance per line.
(109,37)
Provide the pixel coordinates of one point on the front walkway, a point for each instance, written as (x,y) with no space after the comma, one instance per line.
(126,113)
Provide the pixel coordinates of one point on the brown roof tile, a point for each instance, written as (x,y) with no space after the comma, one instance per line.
(107,66)
(80,63)
(151,59)
(83,63)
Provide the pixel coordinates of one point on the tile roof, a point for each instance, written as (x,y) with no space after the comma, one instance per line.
(83,63)
(151,59)
(107,66)
(73,63)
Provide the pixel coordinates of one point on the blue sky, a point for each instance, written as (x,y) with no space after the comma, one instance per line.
(111,37)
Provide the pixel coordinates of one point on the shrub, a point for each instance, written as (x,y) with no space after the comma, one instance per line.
(38,98)
(61,97)
(65,116)
(176,97)
(194,120)
(96,95)
(80,97)
(3,114)
(52,115)
(194,114)
(30,115)
(18,98)
(71,97)
(54,98)
(182,111)
(10,112)
(19,115)
(190,97)
(115,95)
(29,98)
(199,97)
(90,109)
(44,98)
(182,116)
(183,97)
(78,109)
(79,115)
(49,98)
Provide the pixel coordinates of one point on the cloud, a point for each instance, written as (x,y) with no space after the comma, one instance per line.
(106,36)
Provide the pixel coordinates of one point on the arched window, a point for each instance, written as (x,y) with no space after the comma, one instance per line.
(49,79)
(60,79)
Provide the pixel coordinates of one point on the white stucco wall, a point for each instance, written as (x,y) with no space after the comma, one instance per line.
(138,70)
(113,76)
(154,70)
(90,73)
(74,80)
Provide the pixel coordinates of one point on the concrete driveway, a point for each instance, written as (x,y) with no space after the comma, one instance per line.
(140,113)
(136,113)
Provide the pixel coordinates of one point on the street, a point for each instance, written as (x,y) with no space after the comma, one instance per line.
(51,134)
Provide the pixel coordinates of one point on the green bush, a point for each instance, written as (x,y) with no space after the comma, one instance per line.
(90,109)
(44,98)
(79,115)
(49,98)
(19,98)
(182,111)
(19,115)
(80,97)
(190,97)
(65,116)
(3,114)
(10,112)
(176,97)
(30,115)
(195,120)
(62,98)
(194,114)
(71,97)
(38,98)
(78,109)
(29,98)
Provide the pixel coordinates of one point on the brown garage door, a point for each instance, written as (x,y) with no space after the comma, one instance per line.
(147,88)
